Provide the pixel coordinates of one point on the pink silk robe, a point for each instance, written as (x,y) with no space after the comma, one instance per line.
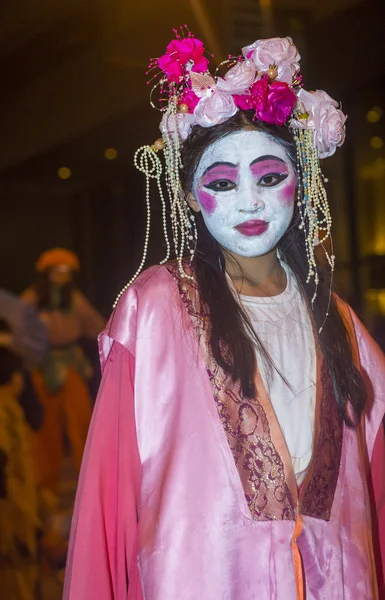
(171,506)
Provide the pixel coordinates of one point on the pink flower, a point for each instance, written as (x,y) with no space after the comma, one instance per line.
(259,93)
(279,106)
(327,120)
(274,51)
(189,98)
(186,53)
(273,103)
(238,79)
(256,99)
(181,123)
(244,102)
(214,109)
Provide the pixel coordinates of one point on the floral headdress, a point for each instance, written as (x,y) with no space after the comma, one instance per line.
(264,80)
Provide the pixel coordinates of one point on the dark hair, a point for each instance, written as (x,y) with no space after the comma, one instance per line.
(44,291)
(232,337)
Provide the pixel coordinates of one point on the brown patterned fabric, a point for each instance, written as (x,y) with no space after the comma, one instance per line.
(317,494)
(260,466)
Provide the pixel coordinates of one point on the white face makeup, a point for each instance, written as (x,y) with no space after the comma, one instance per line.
(245,186)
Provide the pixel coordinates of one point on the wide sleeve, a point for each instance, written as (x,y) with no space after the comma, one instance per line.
(377,474)
(101,560)
(373,370)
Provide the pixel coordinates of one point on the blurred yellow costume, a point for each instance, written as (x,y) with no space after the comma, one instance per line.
(18,507)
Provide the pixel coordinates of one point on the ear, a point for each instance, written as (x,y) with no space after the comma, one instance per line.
(192,202)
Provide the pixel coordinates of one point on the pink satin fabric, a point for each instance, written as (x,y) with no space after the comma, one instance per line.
(160,511)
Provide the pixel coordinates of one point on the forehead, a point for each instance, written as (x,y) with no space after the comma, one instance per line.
(241,147)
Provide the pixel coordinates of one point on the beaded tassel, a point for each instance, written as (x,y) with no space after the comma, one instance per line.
(147,161)
(183,226)
(313,206)
(182,219)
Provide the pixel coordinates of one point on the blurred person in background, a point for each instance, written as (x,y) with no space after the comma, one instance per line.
(19,522)
(27,338)
(29,334)
(61,381)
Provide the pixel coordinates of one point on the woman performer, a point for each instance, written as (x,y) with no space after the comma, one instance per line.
(61,382)
(236,451)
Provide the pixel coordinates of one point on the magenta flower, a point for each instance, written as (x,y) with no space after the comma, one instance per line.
(279,106)
(243,102)
(256,99)
(272,102)
(189,98)
(183,54)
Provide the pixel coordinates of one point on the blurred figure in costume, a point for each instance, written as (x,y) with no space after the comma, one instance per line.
(28,339)
(29,334)
(61,382)
(19,521)
(236,450)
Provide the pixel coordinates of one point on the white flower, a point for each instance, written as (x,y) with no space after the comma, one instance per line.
(214,109)
(239,78)
(325,118)
(274,51)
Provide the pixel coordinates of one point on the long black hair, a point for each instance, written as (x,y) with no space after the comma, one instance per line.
(232,339)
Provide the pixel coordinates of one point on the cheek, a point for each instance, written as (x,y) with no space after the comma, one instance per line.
(286,195)
(207,202)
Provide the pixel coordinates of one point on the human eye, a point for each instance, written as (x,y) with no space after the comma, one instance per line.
(272,179)
(221,185)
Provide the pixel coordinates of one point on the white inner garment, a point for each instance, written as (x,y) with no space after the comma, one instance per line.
(283,325)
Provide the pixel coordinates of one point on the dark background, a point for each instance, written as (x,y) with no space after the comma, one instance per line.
(73,83)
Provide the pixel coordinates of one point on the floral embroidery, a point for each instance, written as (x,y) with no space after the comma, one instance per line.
(318,494)
(259,465)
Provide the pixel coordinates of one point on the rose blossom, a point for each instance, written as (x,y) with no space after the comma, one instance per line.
(256,98)
(179,53)
(279,106)
(214,109)
(273,103)
(327,120)
(180,122)
(274,51)
(238,79)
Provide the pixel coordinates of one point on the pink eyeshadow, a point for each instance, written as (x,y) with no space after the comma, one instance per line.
(220,173)
(269,166)
(207,201)
(286,195)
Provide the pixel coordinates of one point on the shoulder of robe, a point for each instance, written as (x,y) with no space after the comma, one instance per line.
(151,295)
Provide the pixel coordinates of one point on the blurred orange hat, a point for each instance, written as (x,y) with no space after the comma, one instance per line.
(55,257)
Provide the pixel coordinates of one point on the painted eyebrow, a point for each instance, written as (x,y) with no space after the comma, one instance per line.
(219,164)
(267,157)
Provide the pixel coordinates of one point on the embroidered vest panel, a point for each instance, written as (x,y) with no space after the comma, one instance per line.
(260,466)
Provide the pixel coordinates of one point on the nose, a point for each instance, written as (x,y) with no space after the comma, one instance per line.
(252,200)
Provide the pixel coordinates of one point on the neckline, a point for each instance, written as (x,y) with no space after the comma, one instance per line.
(282,297)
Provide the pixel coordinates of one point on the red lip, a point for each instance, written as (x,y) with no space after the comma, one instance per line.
(252,228)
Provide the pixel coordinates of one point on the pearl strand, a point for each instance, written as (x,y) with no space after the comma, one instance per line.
(314,209)
(182,220)
(146,161)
